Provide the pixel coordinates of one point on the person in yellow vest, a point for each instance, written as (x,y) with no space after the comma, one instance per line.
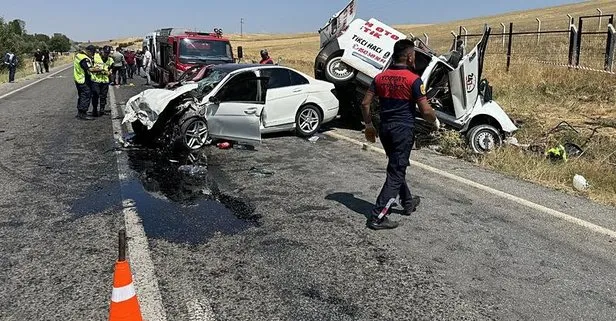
(82,69)
(100,81)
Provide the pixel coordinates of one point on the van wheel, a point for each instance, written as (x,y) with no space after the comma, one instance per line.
(484,138)
(308,120)
(338,72)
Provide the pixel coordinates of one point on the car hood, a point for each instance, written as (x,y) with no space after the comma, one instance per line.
(149,104)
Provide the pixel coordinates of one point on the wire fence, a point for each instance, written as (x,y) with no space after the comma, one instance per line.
(589,45)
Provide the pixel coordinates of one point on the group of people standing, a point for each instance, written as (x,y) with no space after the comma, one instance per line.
(95,70)
(42,60)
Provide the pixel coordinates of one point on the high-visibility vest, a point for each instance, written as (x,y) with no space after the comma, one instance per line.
(101,77)
(78,73)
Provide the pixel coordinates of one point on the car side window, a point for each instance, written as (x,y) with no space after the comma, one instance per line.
(278,77)
(297,79)
(242,87)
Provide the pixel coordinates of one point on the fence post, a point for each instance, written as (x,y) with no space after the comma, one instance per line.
(509,46)
(609,49)
(538,29)
(578,44)
(504,31)
(600,18)
(573,36)
(427,39)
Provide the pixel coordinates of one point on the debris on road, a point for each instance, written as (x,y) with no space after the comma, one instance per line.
(580,183)
(260,172)
(313,139)
(193,170)
(243,147)
(174,161)
(224,145)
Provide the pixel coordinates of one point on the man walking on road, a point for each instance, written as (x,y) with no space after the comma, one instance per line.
(10,61)
(38,61)
(100,81)
(398,90)
(147,64)
(46,60)
(82,67)
(119,65)
(129,56)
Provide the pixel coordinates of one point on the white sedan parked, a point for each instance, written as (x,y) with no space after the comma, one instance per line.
(236,102)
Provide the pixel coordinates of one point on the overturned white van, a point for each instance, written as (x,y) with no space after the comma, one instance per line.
(353,51)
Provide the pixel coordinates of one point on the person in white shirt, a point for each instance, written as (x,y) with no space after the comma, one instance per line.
(147,63)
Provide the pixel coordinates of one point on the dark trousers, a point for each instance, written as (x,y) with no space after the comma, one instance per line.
(397,140)
(84,96)
(12,70)
(119,75)
(46,65)
(130,69)
(99,95)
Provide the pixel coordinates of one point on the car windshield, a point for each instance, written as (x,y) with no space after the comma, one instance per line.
(199,50)
(212,78)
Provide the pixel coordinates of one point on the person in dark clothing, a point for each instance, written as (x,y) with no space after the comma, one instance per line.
(139,61)
(46,60)
(265,58)
(129,56)
(398,90)
(11,61)
(38,61)
(100,81)
(82,67)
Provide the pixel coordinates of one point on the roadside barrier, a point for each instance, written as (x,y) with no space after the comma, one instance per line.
(124,304)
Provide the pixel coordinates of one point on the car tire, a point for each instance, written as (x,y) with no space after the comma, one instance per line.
(193,133)
(308,120)
(338,72)
(484,138)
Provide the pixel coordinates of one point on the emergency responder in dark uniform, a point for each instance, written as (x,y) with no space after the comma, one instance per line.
(398,90)
(100,81)
(82,67)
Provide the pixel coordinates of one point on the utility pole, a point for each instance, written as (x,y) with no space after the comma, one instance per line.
(241,27)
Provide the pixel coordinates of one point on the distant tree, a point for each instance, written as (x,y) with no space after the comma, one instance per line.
(42,38)
(17,27)
(59,42)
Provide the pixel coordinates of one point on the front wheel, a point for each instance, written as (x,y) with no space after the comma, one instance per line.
(194,133)
(484,138)
(338,72)
(308,120)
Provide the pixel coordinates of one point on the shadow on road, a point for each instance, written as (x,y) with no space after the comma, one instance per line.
(353,203)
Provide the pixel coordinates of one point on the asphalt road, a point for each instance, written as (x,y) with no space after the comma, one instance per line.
(277,233)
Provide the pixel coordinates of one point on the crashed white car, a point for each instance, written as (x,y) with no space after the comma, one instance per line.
(354,51)
(236,102)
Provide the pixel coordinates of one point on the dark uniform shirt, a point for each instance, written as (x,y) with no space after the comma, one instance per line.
(85,64)
(399,90)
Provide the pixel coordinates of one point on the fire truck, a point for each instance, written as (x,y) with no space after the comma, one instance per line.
(174,50)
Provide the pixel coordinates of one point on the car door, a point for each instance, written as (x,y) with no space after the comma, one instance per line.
(465,78)
(285,94)
(235,110)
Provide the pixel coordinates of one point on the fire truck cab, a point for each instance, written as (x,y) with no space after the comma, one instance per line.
(175,50)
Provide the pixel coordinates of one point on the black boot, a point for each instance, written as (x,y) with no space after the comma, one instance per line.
(411,208)
(82,115)
(383,224)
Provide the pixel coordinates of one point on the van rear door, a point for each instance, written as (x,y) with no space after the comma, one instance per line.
(337,24)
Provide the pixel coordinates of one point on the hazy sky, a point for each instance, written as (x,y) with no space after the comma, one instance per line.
(101,20)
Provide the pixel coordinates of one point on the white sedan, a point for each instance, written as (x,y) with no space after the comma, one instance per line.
(235,102)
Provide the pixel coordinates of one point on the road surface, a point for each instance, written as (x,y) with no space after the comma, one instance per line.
(277,233)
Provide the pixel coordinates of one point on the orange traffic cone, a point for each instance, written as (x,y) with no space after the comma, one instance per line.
(124,304)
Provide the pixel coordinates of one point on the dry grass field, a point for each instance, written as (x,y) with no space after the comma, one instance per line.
(537,96)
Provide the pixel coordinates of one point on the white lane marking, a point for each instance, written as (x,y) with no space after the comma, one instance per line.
(199,310)
(146,283)
(516,199)
(34,83)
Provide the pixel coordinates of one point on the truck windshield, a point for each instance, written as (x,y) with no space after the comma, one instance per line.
(200,50)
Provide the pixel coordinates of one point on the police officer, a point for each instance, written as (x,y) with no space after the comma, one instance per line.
(265,58)
(82,67)
(398,90)
(100,81)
